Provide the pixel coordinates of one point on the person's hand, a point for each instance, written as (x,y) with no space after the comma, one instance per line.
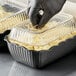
(49,9)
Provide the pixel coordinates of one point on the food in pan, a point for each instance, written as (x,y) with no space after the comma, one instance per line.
(54,32)
(43,41)
(44,47)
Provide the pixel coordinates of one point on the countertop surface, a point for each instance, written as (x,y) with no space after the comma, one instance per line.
(66,66)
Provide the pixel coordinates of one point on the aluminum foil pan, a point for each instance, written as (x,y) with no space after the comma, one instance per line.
(41,58)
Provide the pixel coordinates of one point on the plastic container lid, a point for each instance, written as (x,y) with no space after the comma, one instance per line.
(10,15)
(60,25)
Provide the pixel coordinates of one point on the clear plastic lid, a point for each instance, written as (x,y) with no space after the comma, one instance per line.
(57,20)
(60,25)
(11,14)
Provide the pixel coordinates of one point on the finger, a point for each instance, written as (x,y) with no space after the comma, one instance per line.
(45,18)
(28,7)
(27,11)
(34,14)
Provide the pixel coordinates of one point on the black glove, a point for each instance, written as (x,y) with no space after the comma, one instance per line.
(49,8)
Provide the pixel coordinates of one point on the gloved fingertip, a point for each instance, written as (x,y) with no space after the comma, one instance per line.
(35,19)
(44,20)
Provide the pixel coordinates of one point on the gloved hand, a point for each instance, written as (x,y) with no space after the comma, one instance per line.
(49,8)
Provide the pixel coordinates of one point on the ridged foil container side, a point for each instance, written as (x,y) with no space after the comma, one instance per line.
(41,58)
